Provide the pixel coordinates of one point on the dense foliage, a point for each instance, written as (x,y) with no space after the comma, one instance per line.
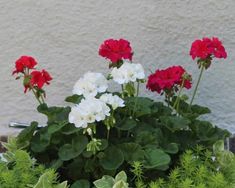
(201,168)
(18,169)
(102,133)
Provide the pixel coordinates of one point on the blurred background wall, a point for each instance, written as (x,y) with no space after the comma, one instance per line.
(64,36)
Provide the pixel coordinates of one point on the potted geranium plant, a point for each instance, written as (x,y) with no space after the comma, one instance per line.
(103,133)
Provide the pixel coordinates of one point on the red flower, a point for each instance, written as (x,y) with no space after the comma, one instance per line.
(116,50)
(166,79)
(39,78)
(219,50)
(24,62)
(207,47)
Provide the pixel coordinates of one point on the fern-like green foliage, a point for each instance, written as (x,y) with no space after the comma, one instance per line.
(49,180)
(19,170)
(201,169)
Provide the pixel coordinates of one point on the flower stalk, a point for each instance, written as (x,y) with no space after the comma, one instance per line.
(196,88)
(177,101)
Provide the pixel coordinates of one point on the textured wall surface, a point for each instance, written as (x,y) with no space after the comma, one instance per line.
(64,36)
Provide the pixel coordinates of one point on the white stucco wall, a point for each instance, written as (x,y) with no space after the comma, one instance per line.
(64,36)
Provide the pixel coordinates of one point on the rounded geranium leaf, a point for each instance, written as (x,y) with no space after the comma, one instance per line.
(66,152)
(81,184)
(171,148)
(175,123)
(113,158)
(126,124)
(132,152)
(70,151)
(156,158)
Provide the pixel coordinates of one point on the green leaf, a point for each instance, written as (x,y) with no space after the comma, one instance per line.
(191,112)
(70,151)
(41,140)
(175,123)
(147,135)
(55,164)
(66,152)
(121,176)
(171,148)
(112,159)
(104,144)
(25,136)
(126,124)
(141,105)
(52,128)
(69,129)
(200,110)
(54,114)
(76,99)
(132,152)
(206,132)
(81,184)
(159,109)
(79,143)
(104,182)
(156,158)
(120,184)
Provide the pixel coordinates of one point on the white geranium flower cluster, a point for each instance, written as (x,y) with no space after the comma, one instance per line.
(88,111)
(92,109)
(113,100)
(128,72)
(90,85)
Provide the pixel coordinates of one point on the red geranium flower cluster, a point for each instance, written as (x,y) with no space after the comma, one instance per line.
(116,50)
(35,79)
(167,79)
(24,62)
(207,48)
(38,79)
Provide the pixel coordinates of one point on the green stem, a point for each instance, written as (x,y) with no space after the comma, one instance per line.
(138,89)
(108,133)
(35,94)
(122,87)
(137,93)
(167,99)
(123,95)
(43,101)
(198,81)
(178,96)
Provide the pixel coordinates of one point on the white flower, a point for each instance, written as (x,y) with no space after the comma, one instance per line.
(98,80)
(90,84)
(113,100)
(128,72)
(77,118)
(88,111)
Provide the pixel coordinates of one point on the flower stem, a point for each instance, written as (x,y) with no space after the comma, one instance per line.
(35,94)
(198,81)
(178,96)
(108,132)
(137,93)
(138,89)
(43,101)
